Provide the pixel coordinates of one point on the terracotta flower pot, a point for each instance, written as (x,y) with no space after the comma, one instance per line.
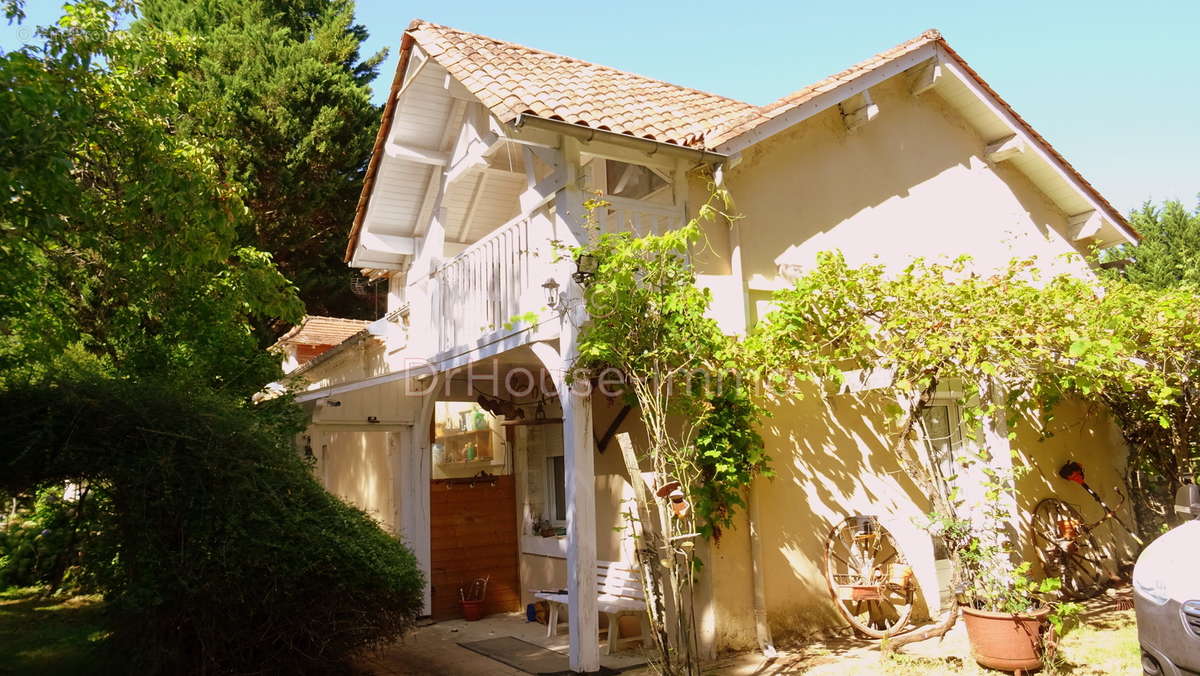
(1006,641)
(472,610)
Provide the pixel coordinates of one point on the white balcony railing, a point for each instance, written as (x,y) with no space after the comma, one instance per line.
(499,278)
(642,218)
(492,281)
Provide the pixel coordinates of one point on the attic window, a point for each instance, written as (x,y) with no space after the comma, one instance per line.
(632,181)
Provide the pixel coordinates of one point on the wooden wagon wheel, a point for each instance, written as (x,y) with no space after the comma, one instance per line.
(870,578)
(1067,549)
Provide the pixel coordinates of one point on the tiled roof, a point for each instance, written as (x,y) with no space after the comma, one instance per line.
(318,330)
(511,79)
(780,106)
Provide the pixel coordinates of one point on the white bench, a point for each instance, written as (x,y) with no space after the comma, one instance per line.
(619,593)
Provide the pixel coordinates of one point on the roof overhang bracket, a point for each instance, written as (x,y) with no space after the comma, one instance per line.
(858,110)
(1085,225)
(1005,149)
(927,76)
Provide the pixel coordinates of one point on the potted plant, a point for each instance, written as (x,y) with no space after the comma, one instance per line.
(471,598)
(1011,621)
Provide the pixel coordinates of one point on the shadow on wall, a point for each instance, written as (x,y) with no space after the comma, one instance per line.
(357,471)
(832,461)
(1083,433)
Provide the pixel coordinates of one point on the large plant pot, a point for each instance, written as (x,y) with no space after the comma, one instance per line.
(1006,641)
(472,610)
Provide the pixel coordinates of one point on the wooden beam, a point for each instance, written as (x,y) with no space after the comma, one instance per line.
(927,77)
(415,72)
(1085,225)
(401,151)
(858,110)
(469,214)
(1004,149)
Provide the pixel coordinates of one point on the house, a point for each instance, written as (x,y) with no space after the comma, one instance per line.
(314,336)
(448,417)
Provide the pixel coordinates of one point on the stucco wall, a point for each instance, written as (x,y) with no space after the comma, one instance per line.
(911,182)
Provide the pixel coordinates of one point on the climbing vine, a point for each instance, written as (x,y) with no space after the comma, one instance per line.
(650,328)
(1012,342)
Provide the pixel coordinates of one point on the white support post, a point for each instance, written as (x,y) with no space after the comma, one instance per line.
(578,443)
(414,496)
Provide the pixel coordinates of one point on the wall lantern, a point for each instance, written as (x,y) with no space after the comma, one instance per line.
(550,286)
(585,269)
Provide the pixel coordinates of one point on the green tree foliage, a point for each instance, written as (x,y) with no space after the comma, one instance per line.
(649,325)
(678,368)
(118,235)
(283,82)
(1169,253)
(229,557)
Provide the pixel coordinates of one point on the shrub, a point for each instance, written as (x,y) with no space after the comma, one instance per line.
(230,557)
(45,541)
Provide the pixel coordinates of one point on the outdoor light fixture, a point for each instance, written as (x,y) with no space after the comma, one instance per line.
(585,269)
(551,288)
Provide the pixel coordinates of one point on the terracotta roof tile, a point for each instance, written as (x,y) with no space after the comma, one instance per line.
(318,330)
(511,79)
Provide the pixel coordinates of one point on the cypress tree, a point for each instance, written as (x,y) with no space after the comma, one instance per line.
(288,95)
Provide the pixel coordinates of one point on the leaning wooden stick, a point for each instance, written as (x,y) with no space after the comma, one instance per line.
(647,551)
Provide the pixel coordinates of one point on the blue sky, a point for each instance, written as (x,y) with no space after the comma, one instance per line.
(1113,85)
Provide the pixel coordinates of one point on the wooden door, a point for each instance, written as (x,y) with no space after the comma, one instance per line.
(473,533)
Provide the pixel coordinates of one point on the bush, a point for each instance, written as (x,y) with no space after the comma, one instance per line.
(230,558)
(45,542)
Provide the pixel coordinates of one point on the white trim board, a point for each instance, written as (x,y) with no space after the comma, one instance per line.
(826,100)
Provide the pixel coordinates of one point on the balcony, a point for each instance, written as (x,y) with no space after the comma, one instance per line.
(480,294)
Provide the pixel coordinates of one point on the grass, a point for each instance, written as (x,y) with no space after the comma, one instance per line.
(40,635)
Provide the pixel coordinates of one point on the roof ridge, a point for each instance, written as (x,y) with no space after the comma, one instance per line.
(418,23)
(926,36)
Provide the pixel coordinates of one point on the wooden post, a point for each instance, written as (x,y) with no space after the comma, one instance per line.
(580,471)
(582,617)
(649,549)
(414,496)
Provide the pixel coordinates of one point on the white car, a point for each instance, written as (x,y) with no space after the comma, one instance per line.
(1166,597)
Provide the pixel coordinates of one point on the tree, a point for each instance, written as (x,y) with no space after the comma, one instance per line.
(283,82)
(118,233)
(1169,252)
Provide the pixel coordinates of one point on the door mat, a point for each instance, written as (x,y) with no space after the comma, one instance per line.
(523,655)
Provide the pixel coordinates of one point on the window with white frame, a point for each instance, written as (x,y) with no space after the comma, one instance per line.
(623,179)
(556,490)
(941,428)
(632,181)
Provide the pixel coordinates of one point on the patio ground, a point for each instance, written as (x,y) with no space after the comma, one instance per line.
(435,649)
(1104,644)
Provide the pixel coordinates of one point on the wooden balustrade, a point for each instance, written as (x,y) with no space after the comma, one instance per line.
(499,278)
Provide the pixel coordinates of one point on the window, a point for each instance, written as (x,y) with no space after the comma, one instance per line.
(556,489)
(941,426)
(631,180)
